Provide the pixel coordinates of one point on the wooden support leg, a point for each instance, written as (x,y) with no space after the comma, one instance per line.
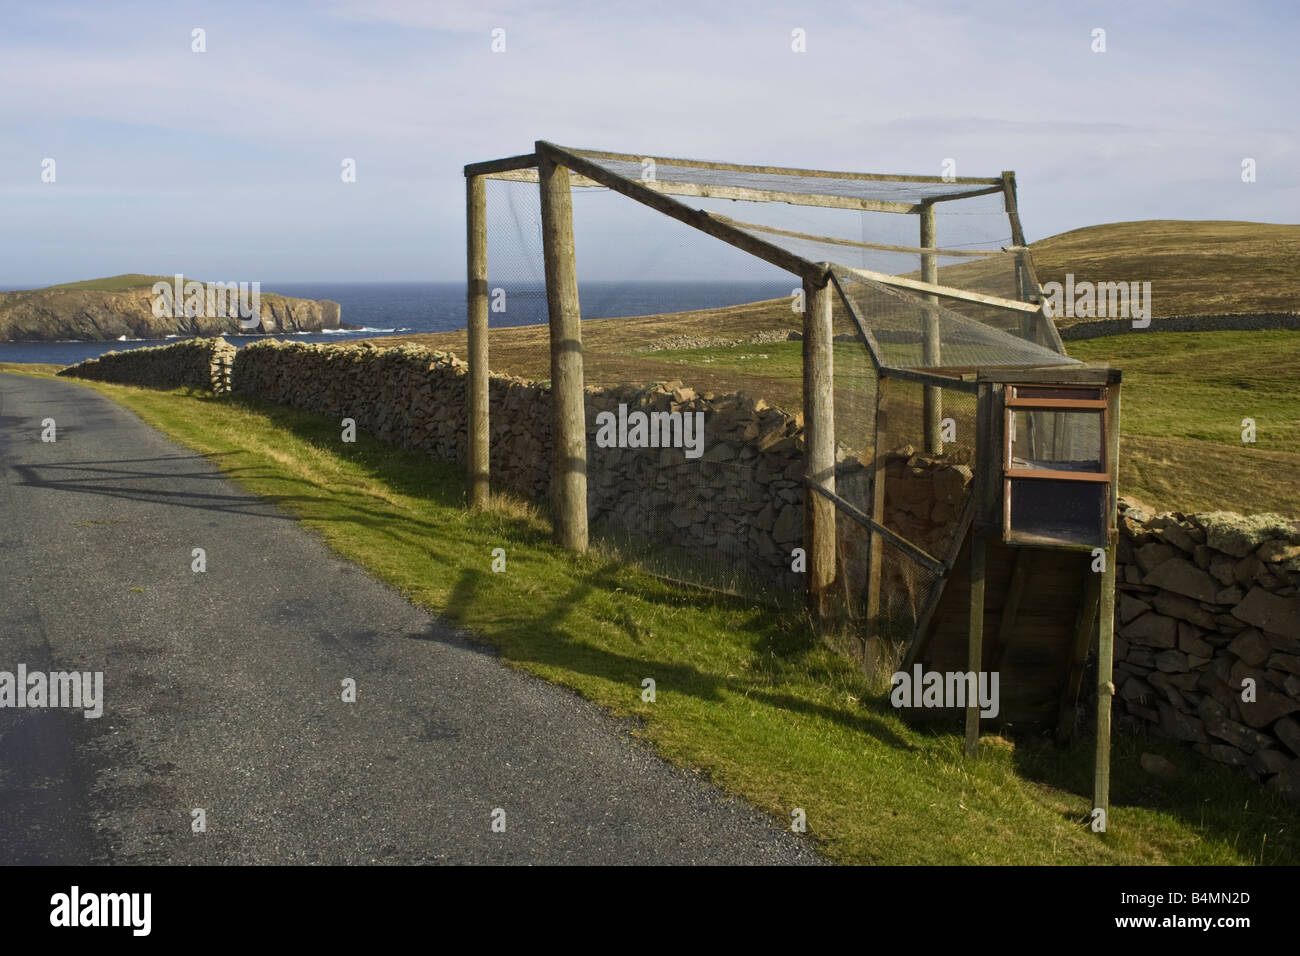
(477,332)
(976,639)
(569,424)
(1105,686)
(819,447)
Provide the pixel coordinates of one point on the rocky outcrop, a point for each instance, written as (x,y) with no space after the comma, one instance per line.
(48,315)
(1207,646)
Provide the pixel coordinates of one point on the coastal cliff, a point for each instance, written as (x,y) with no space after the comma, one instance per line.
(108,309)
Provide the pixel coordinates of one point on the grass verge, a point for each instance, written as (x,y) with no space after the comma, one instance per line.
(749,696)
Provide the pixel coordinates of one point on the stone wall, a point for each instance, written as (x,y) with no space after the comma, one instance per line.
(198,363)
(1184,323)
(1206,604)
(743,497)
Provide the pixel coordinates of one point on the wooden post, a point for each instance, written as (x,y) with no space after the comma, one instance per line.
(477,331)
(1105,685)
(930,353)
(875,572)
(1106,616)
(975,641)
(1012,207)
(819,446)
(568,415)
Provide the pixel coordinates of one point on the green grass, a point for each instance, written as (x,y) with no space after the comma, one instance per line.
(1184,397)
(1202,384)
(133,280)
(750,696)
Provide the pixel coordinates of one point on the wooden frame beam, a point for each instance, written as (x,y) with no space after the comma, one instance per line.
(922,557)
(970,194)
(1078,374)
(943,291)
(1053,474)
(1028,401)
(528,161)
(789,171)
(673,187)
(869,340)
(930,378)
(698,218)
(1012,207)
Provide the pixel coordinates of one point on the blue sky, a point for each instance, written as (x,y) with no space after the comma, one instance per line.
(226,164)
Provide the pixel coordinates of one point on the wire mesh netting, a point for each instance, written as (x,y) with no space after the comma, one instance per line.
(803,182)
(914,330)
(924,498)
(906,588)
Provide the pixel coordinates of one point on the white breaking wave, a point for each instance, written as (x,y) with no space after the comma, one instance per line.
(364,328)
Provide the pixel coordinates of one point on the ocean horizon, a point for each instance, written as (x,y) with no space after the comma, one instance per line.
(384,309)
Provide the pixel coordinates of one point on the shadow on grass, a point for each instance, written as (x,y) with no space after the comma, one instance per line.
(1219,803)
(543,639)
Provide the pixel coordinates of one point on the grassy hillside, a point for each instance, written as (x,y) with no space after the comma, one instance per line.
(1194,267)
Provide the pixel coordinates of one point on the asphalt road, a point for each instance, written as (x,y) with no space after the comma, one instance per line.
(223,690)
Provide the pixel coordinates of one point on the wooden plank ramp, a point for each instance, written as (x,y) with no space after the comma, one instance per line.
(1032,603)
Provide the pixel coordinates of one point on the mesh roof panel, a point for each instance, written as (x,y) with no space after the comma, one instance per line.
(802,182)
(898,319)
(991,272)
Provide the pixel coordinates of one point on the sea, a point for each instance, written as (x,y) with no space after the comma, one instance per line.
(382,309)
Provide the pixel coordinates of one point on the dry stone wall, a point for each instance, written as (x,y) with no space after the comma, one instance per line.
(198,363)
(742,496)
(1207,647)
